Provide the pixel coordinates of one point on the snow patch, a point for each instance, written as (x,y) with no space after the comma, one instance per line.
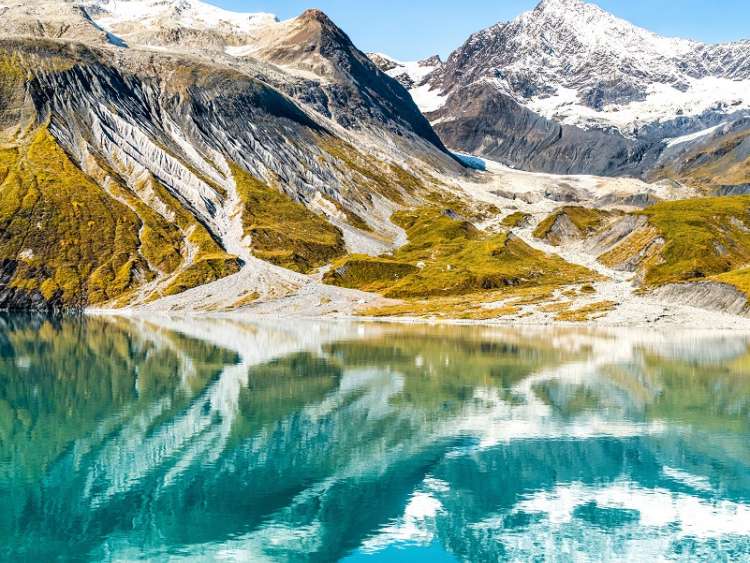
(184,13)
(694,136)
(663,102)
(416,70)
(427,99)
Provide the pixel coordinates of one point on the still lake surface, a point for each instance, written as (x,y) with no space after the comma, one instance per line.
(177,439)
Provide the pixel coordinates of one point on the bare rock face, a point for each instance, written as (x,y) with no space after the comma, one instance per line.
(309,58)
(353,89)
(706,295)
(717,159)
(481,120)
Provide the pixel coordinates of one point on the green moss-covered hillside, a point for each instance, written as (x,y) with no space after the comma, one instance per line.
(62,239)
(574,221)
(448,256)
(283,231)
(66,242)
(702,238)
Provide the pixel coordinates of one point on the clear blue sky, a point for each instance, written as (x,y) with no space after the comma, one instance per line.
(414,29)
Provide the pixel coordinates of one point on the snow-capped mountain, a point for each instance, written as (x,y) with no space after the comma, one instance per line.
(409,74)
(145,21)
(413,76)
(580,65)
(569,66)
(186,13)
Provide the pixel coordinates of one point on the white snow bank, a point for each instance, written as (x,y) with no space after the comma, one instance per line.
(186,13)
(663,103)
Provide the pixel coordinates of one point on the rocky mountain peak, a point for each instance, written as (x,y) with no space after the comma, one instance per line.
(315,14)
(579,76)
(574,53)
(433,61)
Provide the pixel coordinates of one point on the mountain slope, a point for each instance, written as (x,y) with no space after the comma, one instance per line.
(312,43)
(195,166)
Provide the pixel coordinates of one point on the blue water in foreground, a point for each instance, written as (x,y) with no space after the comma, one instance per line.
(169,439)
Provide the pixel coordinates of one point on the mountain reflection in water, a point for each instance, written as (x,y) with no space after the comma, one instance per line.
(171,438)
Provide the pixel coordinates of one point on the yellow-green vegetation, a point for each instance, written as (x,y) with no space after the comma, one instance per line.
(461,206)
(473,306)
(12,78)
(368,273)
(740,279)
(585,220)
(532,295)
(20,60)
(207,269)
(515,219)
(641,246)
(587,288)
(210,263)
(70,243)
(68,240)
(565,311)
(485,305)
(406,180)
(447,256)
(702,238)
(283,231)
(245,300)
(11,67)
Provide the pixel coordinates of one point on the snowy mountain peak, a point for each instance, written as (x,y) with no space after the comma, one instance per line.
(412,74)
(593,29)
(573,62)
(554,4)
(192,14)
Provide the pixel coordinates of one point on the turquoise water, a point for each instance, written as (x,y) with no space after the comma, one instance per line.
(200,440)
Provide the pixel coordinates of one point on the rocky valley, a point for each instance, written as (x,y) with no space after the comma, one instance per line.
(171,156)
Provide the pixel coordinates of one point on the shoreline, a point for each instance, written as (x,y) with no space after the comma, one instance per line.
(732,323)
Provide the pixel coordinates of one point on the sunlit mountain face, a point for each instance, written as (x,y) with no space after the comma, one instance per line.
(168,438)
